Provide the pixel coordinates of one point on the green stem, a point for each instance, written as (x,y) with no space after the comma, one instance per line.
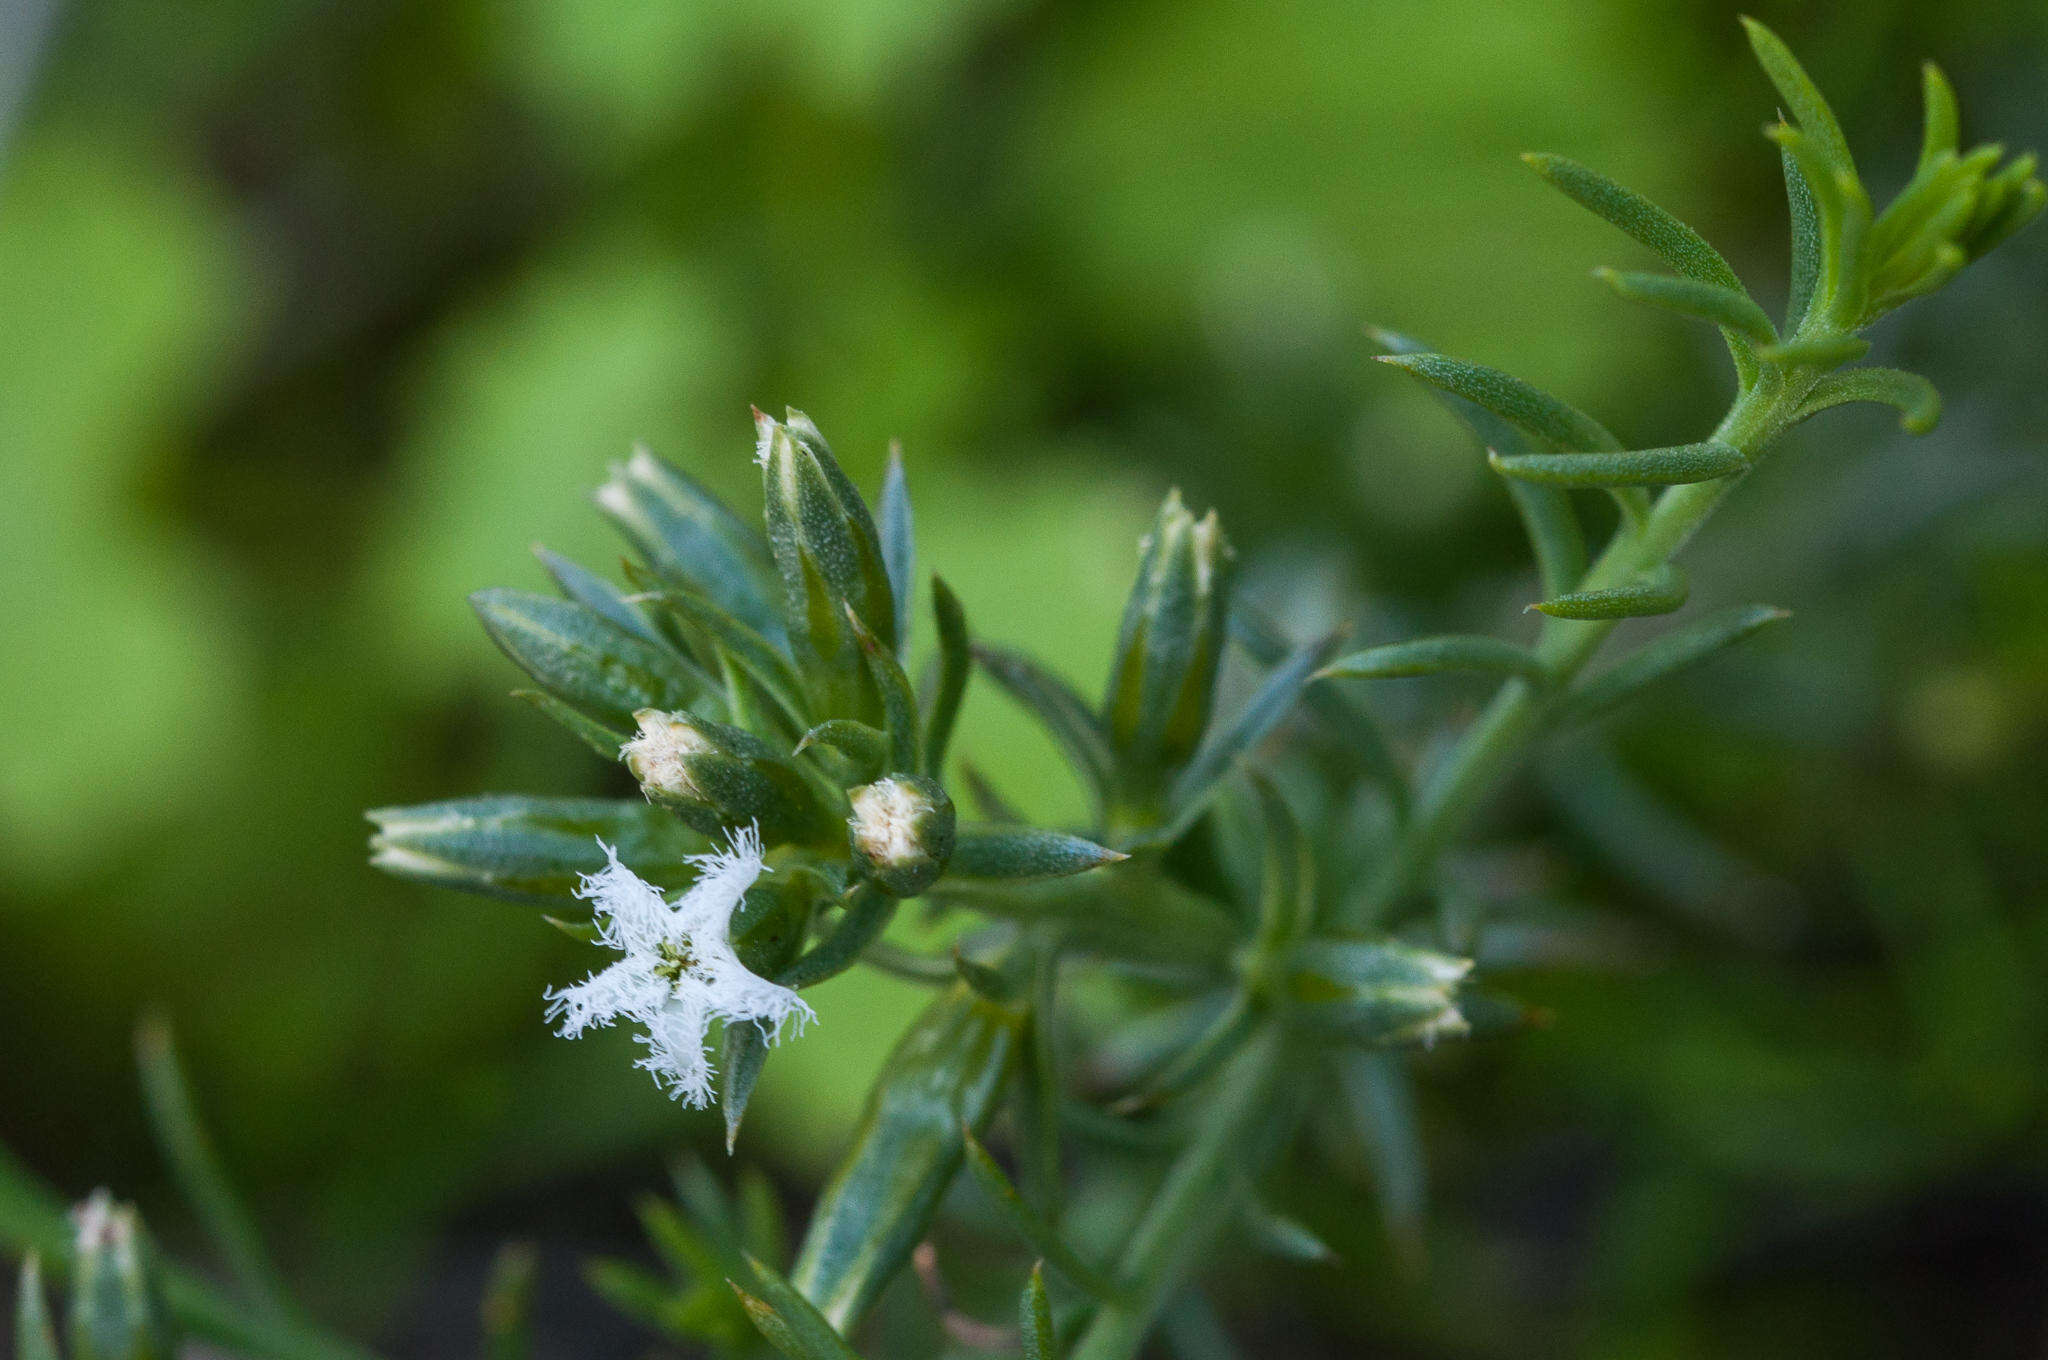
(1193,1203)
(1497,740)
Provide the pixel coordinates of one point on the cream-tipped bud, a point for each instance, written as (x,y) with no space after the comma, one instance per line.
(902,829)
(659,756)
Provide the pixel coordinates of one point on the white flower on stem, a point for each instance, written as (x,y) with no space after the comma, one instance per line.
(679,972)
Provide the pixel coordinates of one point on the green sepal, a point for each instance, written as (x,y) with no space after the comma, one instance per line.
(956,663)
(117,1309)
(1547,515)
(1038,1235)
(1162,686)
(1678,245)
(1023,852)
(1674,466)
(1730,308)
(1437,655)
(901,831)
(1055,704)
(592,591)
(1914,397)
(600,738)
(584,659)
(1662,593)
(742,779)
(899,543)
(1816,351)
(787,1320)
(527,849)
(1666,655)
(948,1070)
(1034,1318)
(691,539)
(34,1336)
(867,748)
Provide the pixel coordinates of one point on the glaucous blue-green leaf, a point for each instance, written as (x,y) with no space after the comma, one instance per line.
(593,592)
(981,850)
(605,741)
(956,663)
(689,536)
(899,543)
(948,1071)
(866,748)
(1712,302)
(117,1309)
(764,661)
(527,848)
(1557,423)
(584,659)
(1284,1236)
(1379,1100)
(1231,741)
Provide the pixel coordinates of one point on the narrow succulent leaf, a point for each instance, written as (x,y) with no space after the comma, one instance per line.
(189,1150)
(1283,1236)
(1842,212)
(1914,397)
(988,799)
(899,701)
(948,1070)
(1287,885)
(1191,1329)
(1034,1319)
(34,1336)
(1437,655)
(765,662)
(1054,703)
(1379,1098)
(1348,720)
(1191,1066)
(909,965)
(1039,1096)
(1269,705)
(1723,306)
(899,543)
(1556,423)
(692,539)
(1809,107)
(1942,125)
(1816,351)
(1023,852)
(759,1213)
(1674,466)
(507,1307)
(867,915)
(1674,242)
(527,849)
(1806,242)
(593,592)
(956,663)
(1663,593)
(744,1052)
(1547,514)
(788,1321)
(1039,1235)
(600,738)
(1666,655)
(584,659)
(867,747)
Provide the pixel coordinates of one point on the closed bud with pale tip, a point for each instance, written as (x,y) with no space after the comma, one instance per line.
(717,777)
(902,829)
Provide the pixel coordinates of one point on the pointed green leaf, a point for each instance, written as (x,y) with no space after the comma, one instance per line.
(899,542)
(689,536)
(1023,852)
(1712,302)
(1809,107)
(1034,1319)
(988,800)
(1283,1236)
(949,1069)
(987,983)
(1915,398)
(1547,515)
(743,1053)
(867,914)
(1379,1098)
(787,1320)
(1806,241)
(899,702)
(1943,120)
(867,747)
(1436,655)
(593,592)
(1053,702)
(527,849)
(584,659)
(1674,242)
(1528,408)
(34,1337)
(1287,871)
(1673,652)
(1039,1235)
(956,663)
(1188,1068)
(600,738)
(1349,721)
(764,662)
(1674,466)
(1662,594)
(1230,742)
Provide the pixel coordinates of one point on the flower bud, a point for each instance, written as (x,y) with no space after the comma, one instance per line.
(1376,993)
(1163,686)
(716,777)
(117,1304)
(902,829)
(830,558)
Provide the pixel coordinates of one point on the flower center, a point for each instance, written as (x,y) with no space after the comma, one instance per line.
(676,960)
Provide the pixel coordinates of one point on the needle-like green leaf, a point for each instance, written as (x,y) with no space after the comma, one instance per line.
(1034,1319)
(789,1321)
(956,664)
(1662,594)
(1039,1235)
(1667,655)
(899,542)
(1943,121)
(1809,107)
(1723,306)
(1673,466)
(1562,426)
(1915,398)
(1674,242)
(1437,655)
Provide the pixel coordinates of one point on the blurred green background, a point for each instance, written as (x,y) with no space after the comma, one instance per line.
(312,316)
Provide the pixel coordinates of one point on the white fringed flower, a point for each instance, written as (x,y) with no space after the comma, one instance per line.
(679,972)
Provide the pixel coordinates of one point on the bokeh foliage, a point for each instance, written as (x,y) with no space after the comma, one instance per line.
(310,312)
